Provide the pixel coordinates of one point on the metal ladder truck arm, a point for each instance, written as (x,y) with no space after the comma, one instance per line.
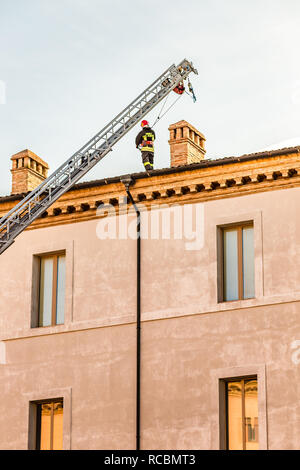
(42,197)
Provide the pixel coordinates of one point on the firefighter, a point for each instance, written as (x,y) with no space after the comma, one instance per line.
(145,142)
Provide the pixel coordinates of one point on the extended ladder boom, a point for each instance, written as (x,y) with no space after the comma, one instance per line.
(42,197)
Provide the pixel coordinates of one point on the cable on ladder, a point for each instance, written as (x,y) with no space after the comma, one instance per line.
(159,117)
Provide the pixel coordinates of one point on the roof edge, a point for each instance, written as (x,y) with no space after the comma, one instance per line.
(178,169)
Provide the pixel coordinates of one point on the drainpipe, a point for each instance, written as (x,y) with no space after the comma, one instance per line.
(127,181)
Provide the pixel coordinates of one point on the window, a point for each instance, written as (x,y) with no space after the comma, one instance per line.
(49,425)
(237,261)
(49,290)
(242,414)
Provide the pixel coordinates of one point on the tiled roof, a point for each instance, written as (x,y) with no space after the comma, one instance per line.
(163,171)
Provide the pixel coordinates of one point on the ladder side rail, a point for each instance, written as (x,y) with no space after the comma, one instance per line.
(45,203)
(124,128)
(127,115)
(69,181)
(114,138)
(125,110)
(132,104)
(82,149)
(41,188)
(111,141)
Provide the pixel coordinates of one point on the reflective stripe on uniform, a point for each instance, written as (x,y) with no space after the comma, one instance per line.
(148,138)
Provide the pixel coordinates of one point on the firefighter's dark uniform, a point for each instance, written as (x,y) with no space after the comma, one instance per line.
(145,139)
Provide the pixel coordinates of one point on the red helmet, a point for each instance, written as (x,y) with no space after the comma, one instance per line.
(144,123)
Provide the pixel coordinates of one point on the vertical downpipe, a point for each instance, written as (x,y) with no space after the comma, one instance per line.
(127,181)
(138,333)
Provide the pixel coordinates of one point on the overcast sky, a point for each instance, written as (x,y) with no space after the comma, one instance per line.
(69,66)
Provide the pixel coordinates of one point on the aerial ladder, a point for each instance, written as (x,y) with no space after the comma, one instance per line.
(43,196)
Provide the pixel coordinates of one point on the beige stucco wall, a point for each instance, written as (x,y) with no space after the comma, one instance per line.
(187,336)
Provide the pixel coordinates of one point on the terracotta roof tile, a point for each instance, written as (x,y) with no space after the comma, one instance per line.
(207,162)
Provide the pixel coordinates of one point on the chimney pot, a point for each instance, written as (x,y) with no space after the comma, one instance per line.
(28,171)
(186,144)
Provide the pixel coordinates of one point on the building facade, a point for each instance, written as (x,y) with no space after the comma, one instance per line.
(220,303)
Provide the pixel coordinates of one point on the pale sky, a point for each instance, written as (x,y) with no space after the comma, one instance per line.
(69,66)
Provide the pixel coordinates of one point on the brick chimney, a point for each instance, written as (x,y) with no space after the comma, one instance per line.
(186,144)
(28,171)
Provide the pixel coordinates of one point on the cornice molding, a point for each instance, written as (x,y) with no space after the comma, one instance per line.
(197,185)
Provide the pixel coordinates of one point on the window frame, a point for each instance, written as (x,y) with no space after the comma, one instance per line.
(217,391)
(238,226)
(226,381)
(29,401)
(37,410)
(36,291)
